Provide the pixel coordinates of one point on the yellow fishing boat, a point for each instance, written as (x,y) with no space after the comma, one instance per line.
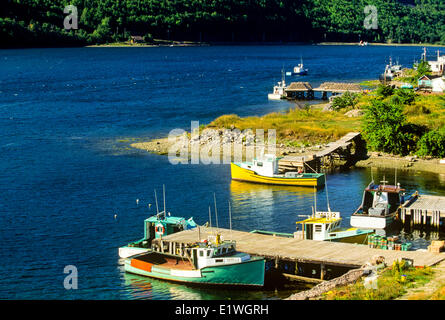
(265,170)
(325,226)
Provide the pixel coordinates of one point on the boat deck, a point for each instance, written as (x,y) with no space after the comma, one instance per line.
(167,262)
(307,251)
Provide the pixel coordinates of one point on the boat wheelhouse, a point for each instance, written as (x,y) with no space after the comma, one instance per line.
(156,227)
(209,262)
(326,226)
(379,206)
(299,70)
(265,170)
(278,90)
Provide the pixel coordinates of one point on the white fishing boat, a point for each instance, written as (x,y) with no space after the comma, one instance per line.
(299,70)
(379,206)
(278,90)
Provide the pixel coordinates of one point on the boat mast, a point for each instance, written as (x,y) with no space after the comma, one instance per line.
(230,221)
(163,190)
(210,217)
(315,202)
(395,178)
(327,197)
(216,210)
(156,199)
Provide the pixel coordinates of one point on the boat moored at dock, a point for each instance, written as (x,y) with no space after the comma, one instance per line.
(156,227)
(265,170)
(278,90)
(208,262)
(325,226)
(379,206)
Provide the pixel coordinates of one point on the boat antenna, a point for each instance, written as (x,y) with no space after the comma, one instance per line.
(315,202)
(216,210)
(163,190)
(230,221)
(210,217)
(395,178)
(156,200)
(372,177)
(327,196)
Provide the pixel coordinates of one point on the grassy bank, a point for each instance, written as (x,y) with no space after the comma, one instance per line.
(396,282)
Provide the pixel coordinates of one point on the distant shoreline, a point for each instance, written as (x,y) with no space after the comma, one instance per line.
(172,43)
(166,43)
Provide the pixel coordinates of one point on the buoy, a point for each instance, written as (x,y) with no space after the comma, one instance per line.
(115,216)
(149,205)
(137,201)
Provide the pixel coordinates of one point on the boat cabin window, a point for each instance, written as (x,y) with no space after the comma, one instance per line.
(318,228)
(219,260)
(209,252)
(381,198)
(201,253)
(259,164)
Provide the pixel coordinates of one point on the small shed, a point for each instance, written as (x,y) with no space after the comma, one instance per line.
(425,82)
(137,39)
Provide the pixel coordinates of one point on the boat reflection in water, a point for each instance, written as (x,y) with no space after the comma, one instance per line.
(271,207)
(139,287)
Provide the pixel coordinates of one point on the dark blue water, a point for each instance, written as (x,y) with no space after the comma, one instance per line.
(67,169)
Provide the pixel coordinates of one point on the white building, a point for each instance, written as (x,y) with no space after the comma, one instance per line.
(438,84)
(438,66)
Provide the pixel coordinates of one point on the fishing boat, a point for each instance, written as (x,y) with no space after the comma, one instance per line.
(155,227)
(299,70)
(210,262)
(325,226)
(379,206)
(278,90)
(265,170)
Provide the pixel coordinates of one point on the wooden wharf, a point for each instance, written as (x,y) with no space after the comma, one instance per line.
(423,210)
(304,90)
(340,149)
(286,253)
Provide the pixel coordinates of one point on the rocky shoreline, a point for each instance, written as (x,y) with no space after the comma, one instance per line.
(375,159)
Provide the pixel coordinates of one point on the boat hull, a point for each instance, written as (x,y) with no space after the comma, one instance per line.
(352,235)
(248,273)
(274,96)
(126,252)
(308,180)
(370,222)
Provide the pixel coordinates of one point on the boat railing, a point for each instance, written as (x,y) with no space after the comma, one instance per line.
(272,233)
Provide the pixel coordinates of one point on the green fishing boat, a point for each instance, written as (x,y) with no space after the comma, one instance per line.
(156,227)
(208,262)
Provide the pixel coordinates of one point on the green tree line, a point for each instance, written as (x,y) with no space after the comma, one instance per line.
(40,22)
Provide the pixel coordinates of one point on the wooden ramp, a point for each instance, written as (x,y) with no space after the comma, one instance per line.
(342,143)
(307,251)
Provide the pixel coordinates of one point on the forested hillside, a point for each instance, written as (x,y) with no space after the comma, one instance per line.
(40,22)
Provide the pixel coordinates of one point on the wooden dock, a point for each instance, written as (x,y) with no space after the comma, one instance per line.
(304,90)
(423,210)
(340,149)
(342,144)
(282,249)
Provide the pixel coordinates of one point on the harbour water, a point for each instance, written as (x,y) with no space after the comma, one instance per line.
(70,181)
